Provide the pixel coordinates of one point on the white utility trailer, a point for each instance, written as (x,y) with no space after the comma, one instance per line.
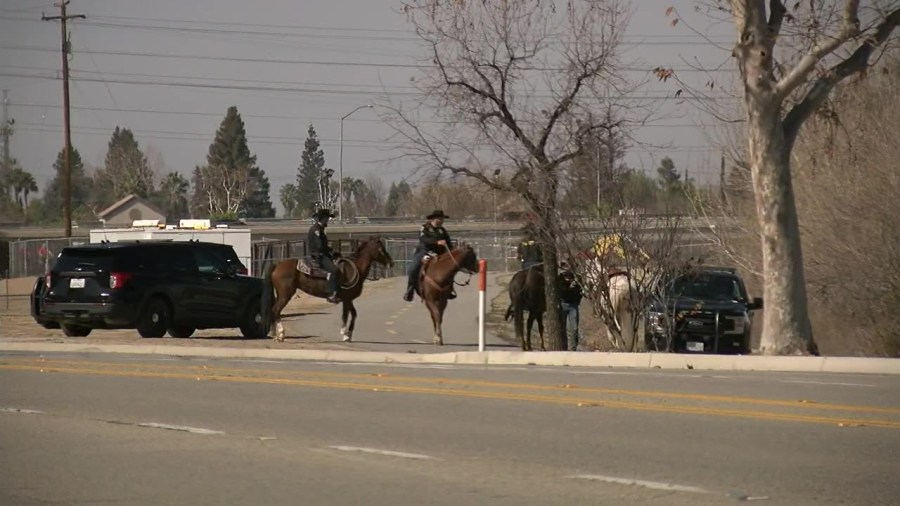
(238,238)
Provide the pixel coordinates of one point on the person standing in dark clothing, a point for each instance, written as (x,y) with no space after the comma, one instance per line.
(321,251)
(433,238)
(529,251)
(570,295)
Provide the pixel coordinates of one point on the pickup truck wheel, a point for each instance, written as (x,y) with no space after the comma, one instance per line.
(182,332)
(75,330)
(153,321)
(252,326)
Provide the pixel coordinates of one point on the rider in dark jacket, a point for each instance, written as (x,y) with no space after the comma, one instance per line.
(529,250)
(321,251)
(433,238)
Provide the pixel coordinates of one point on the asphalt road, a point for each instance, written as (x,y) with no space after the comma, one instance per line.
(98,429)
(387,323)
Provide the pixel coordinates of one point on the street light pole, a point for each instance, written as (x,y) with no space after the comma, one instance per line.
(341,164)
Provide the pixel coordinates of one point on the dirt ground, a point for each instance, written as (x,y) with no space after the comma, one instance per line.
(593,331)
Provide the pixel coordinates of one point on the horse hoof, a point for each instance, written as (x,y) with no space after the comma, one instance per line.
(346,338)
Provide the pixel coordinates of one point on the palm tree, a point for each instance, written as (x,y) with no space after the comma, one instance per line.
(289,196)
(28,186)
(173,192)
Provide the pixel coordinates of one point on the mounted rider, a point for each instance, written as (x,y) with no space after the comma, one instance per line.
(321,251)
(433,239)
(529,251)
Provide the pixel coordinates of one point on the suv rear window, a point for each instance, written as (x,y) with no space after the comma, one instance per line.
(87,259)
(708,286)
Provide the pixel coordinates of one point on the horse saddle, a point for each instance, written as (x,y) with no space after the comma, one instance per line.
(310,267)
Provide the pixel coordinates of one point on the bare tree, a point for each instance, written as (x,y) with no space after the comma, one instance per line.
(623,250)
(514,85)
(835,41)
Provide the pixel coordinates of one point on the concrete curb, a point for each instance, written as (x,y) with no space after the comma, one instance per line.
(853,365)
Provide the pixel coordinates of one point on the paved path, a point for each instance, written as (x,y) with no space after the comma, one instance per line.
(386,323)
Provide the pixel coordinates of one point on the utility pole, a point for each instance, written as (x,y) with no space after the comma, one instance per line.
(5,130)
(67,141)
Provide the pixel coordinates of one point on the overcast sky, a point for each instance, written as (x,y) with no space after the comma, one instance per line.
(169,69)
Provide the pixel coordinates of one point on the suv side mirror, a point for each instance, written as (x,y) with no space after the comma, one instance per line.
(756,304)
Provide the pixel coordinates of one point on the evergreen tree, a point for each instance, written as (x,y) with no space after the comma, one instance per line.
(309,174)
(230,184)
(125,172)
(258,203)
(53,200)
(398,199)
(669,178)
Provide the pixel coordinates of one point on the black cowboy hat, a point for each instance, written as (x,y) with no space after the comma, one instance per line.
(437,213)
(323,213)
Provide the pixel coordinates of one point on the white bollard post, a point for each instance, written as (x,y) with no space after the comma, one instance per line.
(482,288)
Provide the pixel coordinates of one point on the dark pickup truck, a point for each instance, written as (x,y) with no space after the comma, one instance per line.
(705,310)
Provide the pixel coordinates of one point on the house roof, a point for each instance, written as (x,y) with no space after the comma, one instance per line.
(124,202)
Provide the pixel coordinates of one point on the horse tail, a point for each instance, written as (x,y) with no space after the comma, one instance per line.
(267,301)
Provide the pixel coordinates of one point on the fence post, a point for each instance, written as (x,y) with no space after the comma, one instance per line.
(482,288)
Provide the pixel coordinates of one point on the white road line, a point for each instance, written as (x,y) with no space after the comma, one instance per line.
(387,453)
(418,341)
(23,411)
(392,332)
(182,428)
(655,485)
(828,383)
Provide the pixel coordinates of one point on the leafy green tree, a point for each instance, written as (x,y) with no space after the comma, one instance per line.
(288,197)
(230,183)
(125,171)
(310,174)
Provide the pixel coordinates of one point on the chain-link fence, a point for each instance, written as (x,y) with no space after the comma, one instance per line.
(36,256)
(499,251)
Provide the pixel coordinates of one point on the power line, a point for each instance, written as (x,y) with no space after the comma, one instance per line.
(326,91)
(408,36)
(296,118)
(649,68)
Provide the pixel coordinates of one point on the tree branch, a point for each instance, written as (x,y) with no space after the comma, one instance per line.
(801,72)
(855,63)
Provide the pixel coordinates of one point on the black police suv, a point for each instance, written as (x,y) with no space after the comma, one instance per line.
(705,310)
(152,286)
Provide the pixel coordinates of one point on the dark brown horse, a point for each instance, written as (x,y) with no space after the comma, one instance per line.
(436,282)
(285,279)
(526,293)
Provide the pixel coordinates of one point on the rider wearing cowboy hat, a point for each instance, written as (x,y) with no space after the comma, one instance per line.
(321,251)
(433,238)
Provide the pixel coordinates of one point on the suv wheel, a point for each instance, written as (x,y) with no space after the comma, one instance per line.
(181,332)
(75,330)
(154,319)
(252,327)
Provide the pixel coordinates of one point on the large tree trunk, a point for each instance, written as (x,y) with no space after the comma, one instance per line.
(786,325)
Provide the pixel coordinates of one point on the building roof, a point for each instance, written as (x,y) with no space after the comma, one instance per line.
(125,201)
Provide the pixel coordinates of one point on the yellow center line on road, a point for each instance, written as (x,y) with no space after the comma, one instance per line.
(558,399)
(802,404)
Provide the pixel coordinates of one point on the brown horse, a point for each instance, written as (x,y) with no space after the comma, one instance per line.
(526,293)
(285,279)
(436,282)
